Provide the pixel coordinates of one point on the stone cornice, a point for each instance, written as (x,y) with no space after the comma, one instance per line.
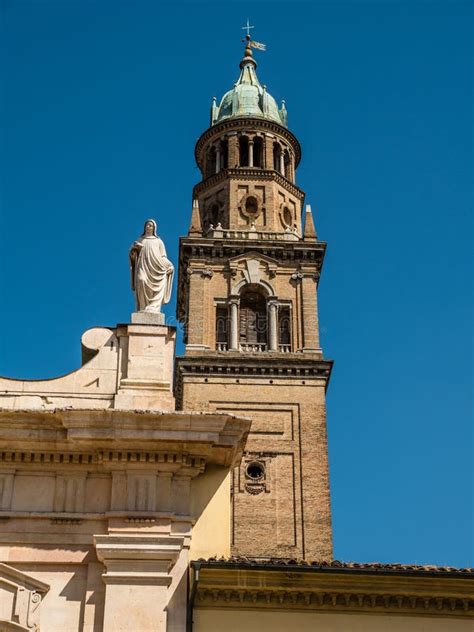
(267,365)
(247,124)
(201,247)
(217,252)
(315,589)
(118,435)
(248,173)
(109,459)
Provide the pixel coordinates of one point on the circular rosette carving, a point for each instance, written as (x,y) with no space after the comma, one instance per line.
(286,216)
(251,206)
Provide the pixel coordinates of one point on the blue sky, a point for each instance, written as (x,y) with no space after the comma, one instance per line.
(101,106)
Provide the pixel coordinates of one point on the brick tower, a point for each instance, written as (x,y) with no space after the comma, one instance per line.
(247,294)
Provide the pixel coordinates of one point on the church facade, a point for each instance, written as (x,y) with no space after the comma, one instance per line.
(149,493)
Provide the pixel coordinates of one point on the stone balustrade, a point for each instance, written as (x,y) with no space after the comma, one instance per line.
(253,347)
(218,232)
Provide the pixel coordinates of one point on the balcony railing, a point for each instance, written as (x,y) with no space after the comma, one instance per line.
(253,347)
(218,232)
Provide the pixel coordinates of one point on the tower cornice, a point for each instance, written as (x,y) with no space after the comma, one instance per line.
(249,173)
(290,250)
(274,367)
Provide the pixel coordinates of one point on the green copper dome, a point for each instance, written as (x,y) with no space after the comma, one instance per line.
(248,97)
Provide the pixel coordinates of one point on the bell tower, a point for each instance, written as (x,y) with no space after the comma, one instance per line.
(247,295)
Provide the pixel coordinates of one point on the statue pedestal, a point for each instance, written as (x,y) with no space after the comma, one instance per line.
(148,318)
(146,366)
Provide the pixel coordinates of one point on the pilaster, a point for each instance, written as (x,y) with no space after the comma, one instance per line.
(137,575)
(309,317)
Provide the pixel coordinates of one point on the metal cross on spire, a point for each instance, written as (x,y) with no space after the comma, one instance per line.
(252,43)
(247,27)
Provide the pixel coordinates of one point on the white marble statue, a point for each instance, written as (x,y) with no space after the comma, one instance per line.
(152,272)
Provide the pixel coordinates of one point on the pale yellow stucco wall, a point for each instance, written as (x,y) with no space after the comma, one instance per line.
(254,621)
(210,506)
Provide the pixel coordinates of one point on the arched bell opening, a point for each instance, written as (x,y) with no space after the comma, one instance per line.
(287,165)
(224,154)
(253,320)
(258,152)
(243,151)
(277,157)
(253,329)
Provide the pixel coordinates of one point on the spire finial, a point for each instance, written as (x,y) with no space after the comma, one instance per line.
(196,226)
(309,233)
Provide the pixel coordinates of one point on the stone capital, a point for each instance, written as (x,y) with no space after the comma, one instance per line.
(138,558)
(234,299)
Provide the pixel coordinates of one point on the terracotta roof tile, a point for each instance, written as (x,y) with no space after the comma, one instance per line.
(334,564)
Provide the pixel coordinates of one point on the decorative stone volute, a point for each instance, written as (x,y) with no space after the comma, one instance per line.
(20,600)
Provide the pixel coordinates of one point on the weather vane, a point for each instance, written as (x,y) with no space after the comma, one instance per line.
(250,42)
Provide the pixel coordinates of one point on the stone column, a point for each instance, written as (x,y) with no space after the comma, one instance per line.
(272,310)
(282,163)
(251,153)
(234,323)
